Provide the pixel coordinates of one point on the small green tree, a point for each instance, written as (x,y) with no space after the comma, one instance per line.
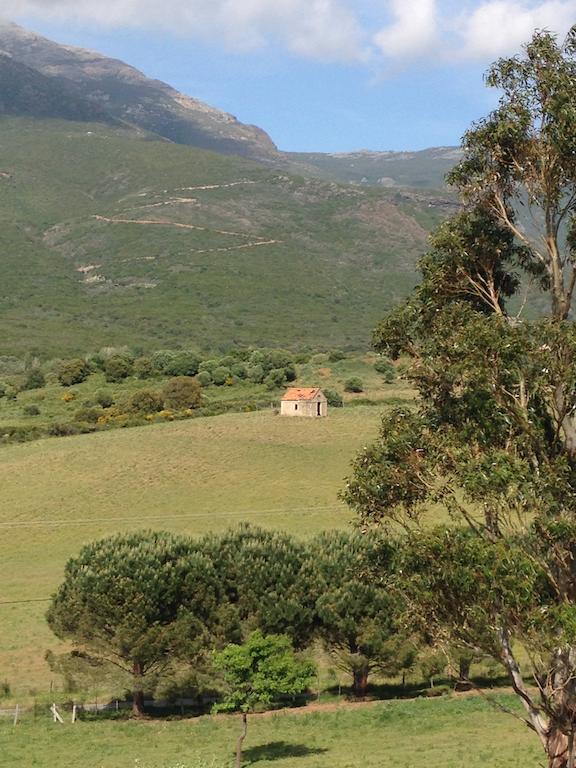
(146,401)
(354,385)
(118,367)
(259,673)
(144,368)
(182,392)
(35,379)
(73,372)
(333,398)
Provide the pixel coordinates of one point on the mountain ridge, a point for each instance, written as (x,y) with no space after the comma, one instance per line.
(123,93)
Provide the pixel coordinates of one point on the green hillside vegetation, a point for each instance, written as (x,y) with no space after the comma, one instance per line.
(116,388)
(112,238)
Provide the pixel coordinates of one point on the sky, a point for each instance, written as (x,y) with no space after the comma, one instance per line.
(317,75)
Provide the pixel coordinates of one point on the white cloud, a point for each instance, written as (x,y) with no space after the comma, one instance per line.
(332,30)
(500,27)
(326,29)
(413,33)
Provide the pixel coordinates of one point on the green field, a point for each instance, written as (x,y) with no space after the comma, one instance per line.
(446,733)
(187,476)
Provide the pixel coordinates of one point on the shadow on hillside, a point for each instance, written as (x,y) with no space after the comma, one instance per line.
(278,750)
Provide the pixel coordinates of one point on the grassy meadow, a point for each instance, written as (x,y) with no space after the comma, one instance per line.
(187,476)
(442,733)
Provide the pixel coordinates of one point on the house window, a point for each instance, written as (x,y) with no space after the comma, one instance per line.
(295,406)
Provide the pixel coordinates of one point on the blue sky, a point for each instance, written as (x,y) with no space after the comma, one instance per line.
(317,75)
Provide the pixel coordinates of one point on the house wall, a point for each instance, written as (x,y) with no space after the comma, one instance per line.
(308,408)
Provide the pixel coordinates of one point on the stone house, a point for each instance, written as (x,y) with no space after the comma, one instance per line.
(304,401)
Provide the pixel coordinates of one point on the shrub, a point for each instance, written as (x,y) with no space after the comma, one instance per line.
(386,368)
(73,372)
(182,364)
(3,389)
(68,397)
(144,368)
(220,375)
(31,410)
(88,415)
(336,355)
(256,374)
(117,368)
(146,401)
(334,398)
(204,378)
(35,379)
(182,392)
(275,379)
(354,385)
(239,370)
(63,429)
(104,399)
(208,365)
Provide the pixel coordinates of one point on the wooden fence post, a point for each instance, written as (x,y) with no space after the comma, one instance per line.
(74,712)
(16,713)
(55,714)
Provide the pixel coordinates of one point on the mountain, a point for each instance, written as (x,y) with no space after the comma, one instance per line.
(115,89)
(422,170)
(26,91)
(73,83)
(109,236)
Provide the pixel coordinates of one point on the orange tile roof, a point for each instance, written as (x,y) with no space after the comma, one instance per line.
(301,393)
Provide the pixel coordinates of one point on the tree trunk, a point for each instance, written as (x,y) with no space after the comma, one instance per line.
(138,690)
(558,749)
(360,684)
(241,740)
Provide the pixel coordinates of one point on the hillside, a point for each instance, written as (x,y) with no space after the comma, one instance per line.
(110,237)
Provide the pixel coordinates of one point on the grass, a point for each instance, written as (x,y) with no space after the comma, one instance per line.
(188,476)
(446,733)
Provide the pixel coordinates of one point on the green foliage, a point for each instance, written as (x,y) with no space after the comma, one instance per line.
(260,672)
(256,374)
(146,401)
(117,368)
(104,399)
(134,601)
(334,398)
(144,368)
(266,580)
(182,392)
(35,379)
(386,368)
(182,364)
(494,438)
(220,375)
(204,378)
(31,410)
(275,379)
(88,414)
(358,618)
(73,372)
(354,385)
